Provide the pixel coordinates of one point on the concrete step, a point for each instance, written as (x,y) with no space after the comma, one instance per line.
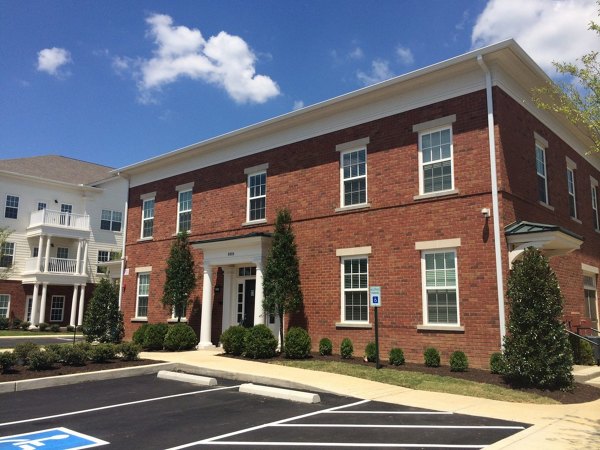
(585,373)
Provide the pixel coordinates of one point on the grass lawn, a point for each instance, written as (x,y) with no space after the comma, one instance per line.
(8,333)
(421,381)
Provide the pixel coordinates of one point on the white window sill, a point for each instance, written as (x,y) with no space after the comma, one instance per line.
(139,319)
(435,327)
(546,205)
(364,325)
(436,194)
(254,222)
(145,239)
(575,219)
(183,320)
(353,207)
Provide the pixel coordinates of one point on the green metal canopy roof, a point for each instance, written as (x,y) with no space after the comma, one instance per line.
(523,227)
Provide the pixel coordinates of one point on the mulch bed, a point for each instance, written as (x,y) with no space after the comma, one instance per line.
(18,373)
(581,393)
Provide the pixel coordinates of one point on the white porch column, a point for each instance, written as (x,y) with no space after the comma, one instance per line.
(47,260)
(207,299)
(227,320)
(85,257)
(73,306)
(259,316)
(78,263)
(35,306)
(39,255)
(81,301)
(43,303)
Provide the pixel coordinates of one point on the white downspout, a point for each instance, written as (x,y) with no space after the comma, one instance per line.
(495,207)
(125,213)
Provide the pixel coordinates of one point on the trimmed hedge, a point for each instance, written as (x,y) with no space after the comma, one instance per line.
(74,355)
(458,362)
(155,336)
(232,340)
(140,334)
(396,357)
(7,360)
(42,359)
(180,337)
(496,363)
(325,347)
(346,348)
(23,349)
(297,343)
(102,352)
(129,351)
(432,357)
(259,342)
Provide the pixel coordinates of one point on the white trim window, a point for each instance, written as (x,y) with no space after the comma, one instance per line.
(62,253)
(7,254)
(440,287)
(184,211)
(11,211)
(436,163)
(4,305)
(571,190)
(353,171)
(257,196)
(111,220)
(355,289)
(147,217)
(542,174)
(594,193)
(103,257)
(590,296)
(57,308)
(143,292)
(41,206)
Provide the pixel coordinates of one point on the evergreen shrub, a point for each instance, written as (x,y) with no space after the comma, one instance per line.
(55,328)
(583,354)
(325,347)
(346,348)
(458,362)
(371,352)
(102,352)
(25,325)
(497,363)
(7,360)
(23,349)
(103,321)
(180,337)
(129,351)
(3,323)
(259,342)
(74,355)
(140,334)
(155,336)
(43,326)
(432,357)
(297,343)
(57,349)
(70,328)
(40,359)
(396,356)
(16,323)
(232,340)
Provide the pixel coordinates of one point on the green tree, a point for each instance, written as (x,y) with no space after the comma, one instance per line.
(281,284)
(577,94)
(103,322)
(536,348)
(5,266)
(181,279)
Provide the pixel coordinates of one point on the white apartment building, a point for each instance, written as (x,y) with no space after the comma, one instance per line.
(67,220)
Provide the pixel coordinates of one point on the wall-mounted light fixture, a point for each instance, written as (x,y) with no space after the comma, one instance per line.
(485,212)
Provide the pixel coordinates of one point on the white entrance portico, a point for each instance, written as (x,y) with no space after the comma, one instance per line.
(242,259)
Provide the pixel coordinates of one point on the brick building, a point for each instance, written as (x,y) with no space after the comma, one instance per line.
(401,185)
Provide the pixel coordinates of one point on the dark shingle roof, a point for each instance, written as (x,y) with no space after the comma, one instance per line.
(57,168)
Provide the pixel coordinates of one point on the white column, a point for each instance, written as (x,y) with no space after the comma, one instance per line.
(207,299)
(39,256)
(43,303)
(78,264)
(47,260)
(259,316)
(227,301)
(34,305)
(73,306)
(81,301)
(85,257)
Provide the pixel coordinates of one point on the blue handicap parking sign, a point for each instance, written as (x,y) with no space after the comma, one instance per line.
(52,439)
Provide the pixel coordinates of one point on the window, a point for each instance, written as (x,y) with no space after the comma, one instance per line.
(4,305)
(571,191)
(41,205)
(354,177)
(7,254)
(440,289)
(589,290)
(147,218)
(12,207)
(111,220)
(257,196)
(143,290)
(103,256)
(435,158)
(542,178)
(355,289)
(65,217)
(35,252)
(595,216)
(184,211)
(57,308)
(62,253)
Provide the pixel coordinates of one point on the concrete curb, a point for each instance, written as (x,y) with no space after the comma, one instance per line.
(186,378)
(286,394)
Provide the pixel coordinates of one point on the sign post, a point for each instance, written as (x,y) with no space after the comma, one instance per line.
(375,300)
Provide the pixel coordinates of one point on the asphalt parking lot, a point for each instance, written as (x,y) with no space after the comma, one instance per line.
(10,342)
(150,413)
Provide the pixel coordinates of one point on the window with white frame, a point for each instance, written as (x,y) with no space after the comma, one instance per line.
(591,300)
(11,210)
(355,293)
(62,253)
(103,257)
(4,305)
(41,206)
(7,254)
(571,191)
(542,176)
(111,220)
(440,287)
(57,308)
(184,210)
(436,163)
(354,177)
(147,217)
(257,196)
(143,290)
(595,216)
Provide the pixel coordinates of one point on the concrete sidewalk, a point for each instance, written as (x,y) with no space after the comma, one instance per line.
(554,426)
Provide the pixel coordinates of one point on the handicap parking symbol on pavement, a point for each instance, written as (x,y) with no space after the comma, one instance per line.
(52,439)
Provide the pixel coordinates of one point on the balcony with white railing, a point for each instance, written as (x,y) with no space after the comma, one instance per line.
(59,223)
(55,265)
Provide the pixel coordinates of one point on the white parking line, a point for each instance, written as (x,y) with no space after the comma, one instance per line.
(449,427)
(118,405)
(341,444)
(434,413)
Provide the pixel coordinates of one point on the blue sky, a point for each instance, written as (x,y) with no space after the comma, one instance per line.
(117,82)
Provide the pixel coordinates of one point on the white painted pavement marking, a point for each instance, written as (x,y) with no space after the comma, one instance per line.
(338,444)
(213,439)
(434,413)
(58,438)
(118,405)
(449,427)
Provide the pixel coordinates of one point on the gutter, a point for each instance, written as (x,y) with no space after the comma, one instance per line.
(495,207)
(123,257)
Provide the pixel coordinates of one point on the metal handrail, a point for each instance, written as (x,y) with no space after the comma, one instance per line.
(582,337)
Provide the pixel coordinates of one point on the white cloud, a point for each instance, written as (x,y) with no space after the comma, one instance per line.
(357,53)
(405,55)
(380,71)
(223,60)
(549,31)
(52,61)
(298,104)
